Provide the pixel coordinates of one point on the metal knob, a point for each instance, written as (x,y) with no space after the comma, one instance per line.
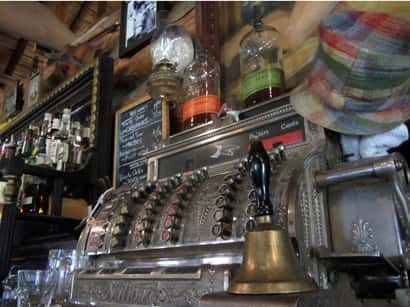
(222,202)
(136,195)
(173,182)
(150,205)
(172,222)
(223,215)
(170,235)
(174,211)
(222,230)
(142,237)
(116,241)
(124,210)
(146,215)
(278,152)
(242,166)
(204,173)
(176,199)
(161,190)
(119,229)
(227,191)
(195,178)
(144,225)
(156,198)
(119,219)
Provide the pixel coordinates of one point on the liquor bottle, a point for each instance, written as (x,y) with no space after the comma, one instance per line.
(3,148)
(74,159)
(63,141)
(27,148)
(40,149)
(261,71)
(41,198)
(53,142)
(10,148)
(65,122)
(85,144)
(25,199)
(201,84)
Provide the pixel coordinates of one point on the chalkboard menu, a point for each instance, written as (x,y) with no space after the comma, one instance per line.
(137,131)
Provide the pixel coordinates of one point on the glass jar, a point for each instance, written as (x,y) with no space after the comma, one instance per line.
(201,85)
(261,71)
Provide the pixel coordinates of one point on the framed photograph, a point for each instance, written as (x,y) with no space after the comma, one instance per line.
(138,22)
(11,101)
(138,130)
(33,91)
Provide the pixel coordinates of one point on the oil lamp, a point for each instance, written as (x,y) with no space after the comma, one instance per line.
(171,50)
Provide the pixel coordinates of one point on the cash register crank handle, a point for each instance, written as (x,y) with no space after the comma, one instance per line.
(387,167)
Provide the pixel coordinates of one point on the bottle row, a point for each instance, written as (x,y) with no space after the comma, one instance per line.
(57,142)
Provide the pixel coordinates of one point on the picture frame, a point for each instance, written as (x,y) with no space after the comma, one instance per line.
(33,93)
(12,101)
(138,23)
(142,138)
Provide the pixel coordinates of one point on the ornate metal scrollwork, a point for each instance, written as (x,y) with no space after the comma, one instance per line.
(363,237)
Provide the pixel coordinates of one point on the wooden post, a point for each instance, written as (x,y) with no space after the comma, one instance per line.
(207,27)
(165,118)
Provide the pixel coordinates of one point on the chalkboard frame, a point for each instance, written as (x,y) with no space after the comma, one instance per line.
(136,102)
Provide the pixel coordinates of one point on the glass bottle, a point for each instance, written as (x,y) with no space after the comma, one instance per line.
(85,144)
(261,71)
(201,84)
(74,159)
(40,150)
(10,148)
(65,123)
(28,144)
(53,140)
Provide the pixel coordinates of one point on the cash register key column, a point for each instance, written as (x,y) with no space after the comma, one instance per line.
(178,201)
(120,225)
(146,216)
(223,215)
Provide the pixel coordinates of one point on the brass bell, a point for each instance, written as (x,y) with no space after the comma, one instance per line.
(269,265)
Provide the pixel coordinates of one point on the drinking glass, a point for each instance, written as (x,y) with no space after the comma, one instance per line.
(30,286)
(61,265)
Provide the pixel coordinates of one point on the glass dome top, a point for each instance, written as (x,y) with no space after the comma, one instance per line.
(173,44)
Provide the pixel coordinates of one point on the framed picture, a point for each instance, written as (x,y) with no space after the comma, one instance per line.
(138,22)
(33,91)
(12,102)
(138,130)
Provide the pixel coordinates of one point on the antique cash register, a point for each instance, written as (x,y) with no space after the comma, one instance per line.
(178,238)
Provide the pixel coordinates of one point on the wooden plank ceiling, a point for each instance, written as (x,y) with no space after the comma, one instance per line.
(17,54)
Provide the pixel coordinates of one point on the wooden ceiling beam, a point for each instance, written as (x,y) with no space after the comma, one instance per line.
(77,18)
(6,81)
(16,56)
(101,9)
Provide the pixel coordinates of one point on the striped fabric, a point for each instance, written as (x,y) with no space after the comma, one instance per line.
(360,82)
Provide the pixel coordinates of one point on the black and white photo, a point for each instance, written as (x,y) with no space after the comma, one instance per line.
(33,93)
(138,22)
